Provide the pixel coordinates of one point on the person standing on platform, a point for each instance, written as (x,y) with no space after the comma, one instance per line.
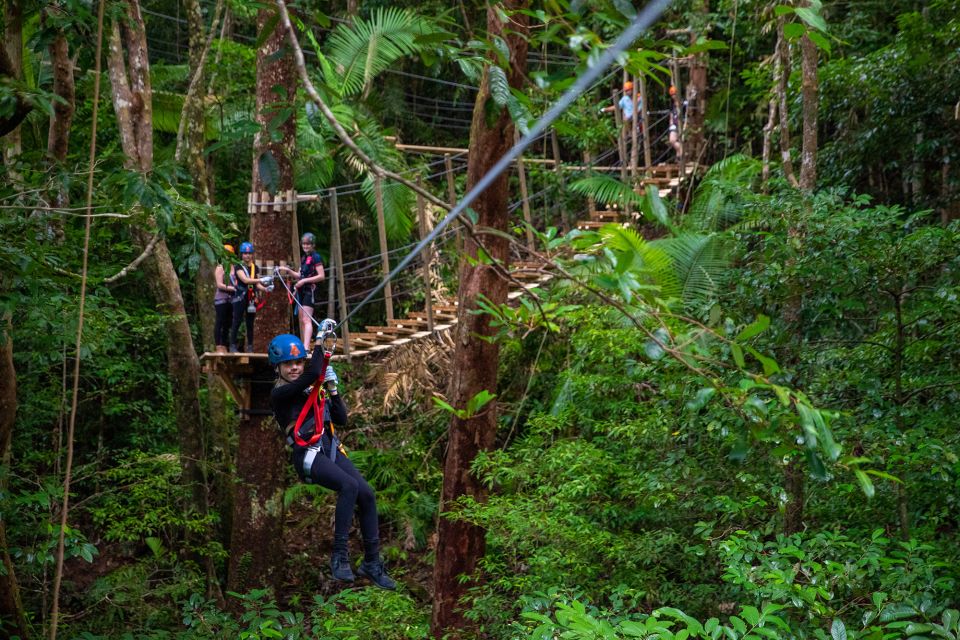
(306,280)
(248,287)
(628,105)
(222,307)
(674,138)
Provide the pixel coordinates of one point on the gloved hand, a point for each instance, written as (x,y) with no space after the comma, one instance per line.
(330,379)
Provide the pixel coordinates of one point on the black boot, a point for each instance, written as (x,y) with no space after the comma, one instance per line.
(375,572)
(340,560)
(340,566)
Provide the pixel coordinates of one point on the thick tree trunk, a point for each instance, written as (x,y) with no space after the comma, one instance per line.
(783,54)
(258,509)
(461,545)
(11,607)
(694,144)
(58,138)
(808,157)
(191,141)
(11,66)
(132,96)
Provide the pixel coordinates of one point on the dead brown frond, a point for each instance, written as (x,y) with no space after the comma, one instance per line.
(413,372)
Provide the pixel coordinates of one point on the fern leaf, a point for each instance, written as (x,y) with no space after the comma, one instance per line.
(368,47)
(699,262)
(606,190)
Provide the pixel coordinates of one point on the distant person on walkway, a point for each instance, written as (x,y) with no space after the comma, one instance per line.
(307,415)
(243,276)
(628,104)
(222,306)
(674,138)
(625,104)
(306,280)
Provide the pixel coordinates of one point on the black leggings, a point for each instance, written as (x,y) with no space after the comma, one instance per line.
(222,322)
(352,492)
(239,314)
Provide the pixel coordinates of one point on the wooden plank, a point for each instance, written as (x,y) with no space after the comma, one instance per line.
(391,330)
(410,323)
(384,249)
(426,257)
(338,274)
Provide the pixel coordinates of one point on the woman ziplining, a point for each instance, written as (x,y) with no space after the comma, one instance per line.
(307,408)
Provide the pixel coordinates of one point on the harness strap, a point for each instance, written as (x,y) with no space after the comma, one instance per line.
(317,407)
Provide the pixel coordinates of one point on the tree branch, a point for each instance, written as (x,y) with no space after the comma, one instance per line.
(193,92)
(332,119)
(136,263)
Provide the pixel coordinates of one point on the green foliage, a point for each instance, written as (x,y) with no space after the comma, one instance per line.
(365,48)
(147,508)
(343,616)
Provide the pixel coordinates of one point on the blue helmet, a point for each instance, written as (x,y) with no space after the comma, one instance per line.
(284,348)
(246,247)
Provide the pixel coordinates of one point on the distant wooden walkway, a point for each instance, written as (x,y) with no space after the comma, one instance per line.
(235,369)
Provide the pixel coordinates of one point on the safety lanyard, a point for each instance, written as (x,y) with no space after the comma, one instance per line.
(317,407)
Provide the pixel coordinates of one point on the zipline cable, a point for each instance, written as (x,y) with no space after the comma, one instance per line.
(58,573)
(640,23)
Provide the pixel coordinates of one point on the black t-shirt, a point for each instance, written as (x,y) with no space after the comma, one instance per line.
(288,399)
(309,265)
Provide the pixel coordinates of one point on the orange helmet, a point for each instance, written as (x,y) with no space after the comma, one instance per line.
(628,86)
(673,90)
(229,248)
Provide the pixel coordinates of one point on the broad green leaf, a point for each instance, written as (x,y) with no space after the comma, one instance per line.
(866,484)
(837,630)
(757,326)
(812,18)
(738,355)
(701,399)
(793,30)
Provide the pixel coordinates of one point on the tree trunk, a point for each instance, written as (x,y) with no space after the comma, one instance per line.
(900,401)
(11,65)
(793,510)
(58,138)
(808,157)
(258,509)
(191,141)
(11,607)
(771,117)
(132,97)
(697,98)
(461,545)
(783,53)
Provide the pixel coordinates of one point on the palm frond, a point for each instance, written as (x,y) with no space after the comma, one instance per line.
(398,203)
(606,190)
(700,262)
(367,47)
(316,165)
(646,259)
(725,189)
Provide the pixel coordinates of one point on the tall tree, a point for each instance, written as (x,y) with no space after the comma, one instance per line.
(258,508)
(132,94)
(460,544)
(12,615)
(11,67)
(58,137)
(809,90)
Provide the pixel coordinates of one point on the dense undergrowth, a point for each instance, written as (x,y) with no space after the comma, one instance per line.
(621,493)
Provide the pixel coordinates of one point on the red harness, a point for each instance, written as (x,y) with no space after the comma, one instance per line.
(317,406)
